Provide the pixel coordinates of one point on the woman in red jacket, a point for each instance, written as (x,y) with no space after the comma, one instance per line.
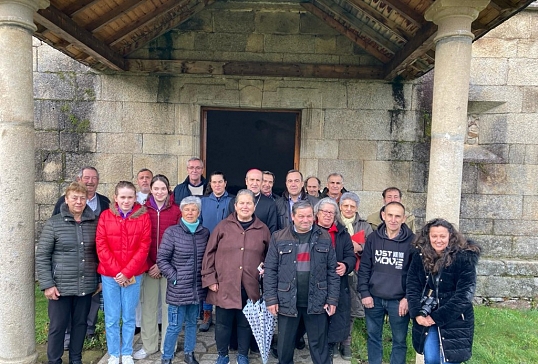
(163,213)
(123,240)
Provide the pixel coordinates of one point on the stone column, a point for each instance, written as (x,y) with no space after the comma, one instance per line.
(17,327)
(450,97)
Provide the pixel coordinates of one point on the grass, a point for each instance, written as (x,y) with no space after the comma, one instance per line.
(502,335)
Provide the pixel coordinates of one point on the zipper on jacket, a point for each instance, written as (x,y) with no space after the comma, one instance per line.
(195,275)
(158,231)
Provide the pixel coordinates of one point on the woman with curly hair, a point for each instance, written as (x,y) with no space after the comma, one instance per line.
(441,284)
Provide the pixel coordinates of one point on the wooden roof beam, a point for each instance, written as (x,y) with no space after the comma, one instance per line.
(77,7)
(59,23)
(405,11)
(112,15)
(329,20)
(266,69)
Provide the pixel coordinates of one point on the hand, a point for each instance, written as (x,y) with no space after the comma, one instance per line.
(99,289)
(357,247)
(52,293)
(330,309)
(273,309)
(340,269)
(368,302)
(154,272)
(403,308)
(121,279)
(214,287)
(424,321)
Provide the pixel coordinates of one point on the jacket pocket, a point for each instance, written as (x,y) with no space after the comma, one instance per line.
(322,285)
(322,249)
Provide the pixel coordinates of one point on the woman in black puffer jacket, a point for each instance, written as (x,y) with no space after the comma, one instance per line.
(180,260)
(445,270)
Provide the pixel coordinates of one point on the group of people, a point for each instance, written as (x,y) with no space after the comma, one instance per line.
(315,261)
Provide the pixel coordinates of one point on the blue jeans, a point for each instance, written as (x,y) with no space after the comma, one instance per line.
(176,316)
(207,306)
(432,348)
(374,327)
(120,302)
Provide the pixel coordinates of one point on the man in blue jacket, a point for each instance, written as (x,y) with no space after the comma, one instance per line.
(194,184)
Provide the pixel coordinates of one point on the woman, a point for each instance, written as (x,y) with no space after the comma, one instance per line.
(66,264)
(180,261)
(123,240)
(234,252)
(327,217)
(359,230)
(444,273)
(163,213)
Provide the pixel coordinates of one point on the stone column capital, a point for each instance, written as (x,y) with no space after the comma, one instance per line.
(21,12)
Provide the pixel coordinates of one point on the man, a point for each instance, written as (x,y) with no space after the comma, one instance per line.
(391,194)
(294,193)
(194,184)
(143,180)
(382,275)
(98,203)
(301,258)
(311,185)
(335,187)
(268,180)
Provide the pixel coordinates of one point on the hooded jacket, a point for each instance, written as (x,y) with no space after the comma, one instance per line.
(384,264)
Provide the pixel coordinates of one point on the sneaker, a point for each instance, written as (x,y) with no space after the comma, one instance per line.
(345,350)
(241,359)
(140,354)
(208,320)
(113,360)
(127,359)
(223,359)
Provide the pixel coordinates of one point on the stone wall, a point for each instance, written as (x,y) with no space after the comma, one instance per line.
(374,133)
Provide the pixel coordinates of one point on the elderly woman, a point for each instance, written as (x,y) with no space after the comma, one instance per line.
(359,230)
(123,240)
(236,248)
(180,261)
(327,217)
(66,263)
(441,284)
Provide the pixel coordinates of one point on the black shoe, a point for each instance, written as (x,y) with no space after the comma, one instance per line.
(274,353)
(90,336)
(190,359)
(300,343)
(345,351)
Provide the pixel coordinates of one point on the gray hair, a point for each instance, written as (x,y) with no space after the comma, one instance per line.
(191,200)
(81,171)
(244,192)
(350,196)
(194,159)
(301,204)
(335,174)
(328,201)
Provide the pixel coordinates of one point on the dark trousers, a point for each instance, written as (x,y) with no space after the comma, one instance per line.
(67,309)
(316,329)
(92,316)
(223,328)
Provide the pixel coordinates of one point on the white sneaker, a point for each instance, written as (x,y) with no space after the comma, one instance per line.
(127,359)
(113,360)
(140,354)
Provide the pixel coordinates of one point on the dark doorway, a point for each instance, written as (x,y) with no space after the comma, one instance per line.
(234,141)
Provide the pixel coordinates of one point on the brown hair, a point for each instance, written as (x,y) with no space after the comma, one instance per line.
(124,184)
(76,187)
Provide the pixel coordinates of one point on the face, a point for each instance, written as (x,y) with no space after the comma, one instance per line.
(254,181)
(439,236)
(244,207)
(76,201)
(218,184)
(391,196)
(190,213)
(303,219)
(159,191)
(294,184)
(312,187)
(143,181)
(334,184)
(325,216)
(394,217)
(348,208)
(125,199)
(195,169)
(267,183)
(91,180)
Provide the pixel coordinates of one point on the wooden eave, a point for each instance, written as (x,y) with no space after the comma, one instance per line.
(104,34)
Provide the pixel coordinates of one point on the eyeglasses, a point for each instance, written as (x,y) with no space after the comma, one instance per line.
(197,168)
(325,212)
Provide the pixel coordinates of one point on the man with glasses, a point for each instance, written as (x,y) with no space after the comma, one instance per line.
(194,184)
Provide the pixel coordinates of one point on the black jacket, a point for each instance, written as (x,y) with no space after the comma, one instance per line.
(340,321)
(104,203)
(180,260)
(283,207)
(265,211)
(454,316)
(384,264)
(182,190)
(66,256)
(280,283)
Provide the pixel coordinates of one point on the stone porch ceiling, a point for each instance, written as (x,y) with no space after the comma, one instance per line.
(103,34)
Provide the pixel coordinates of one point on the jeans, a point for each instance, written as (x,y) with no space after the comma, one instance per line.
(207,306)
(176,316)
(432,352)
(374,327)
(120,303)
